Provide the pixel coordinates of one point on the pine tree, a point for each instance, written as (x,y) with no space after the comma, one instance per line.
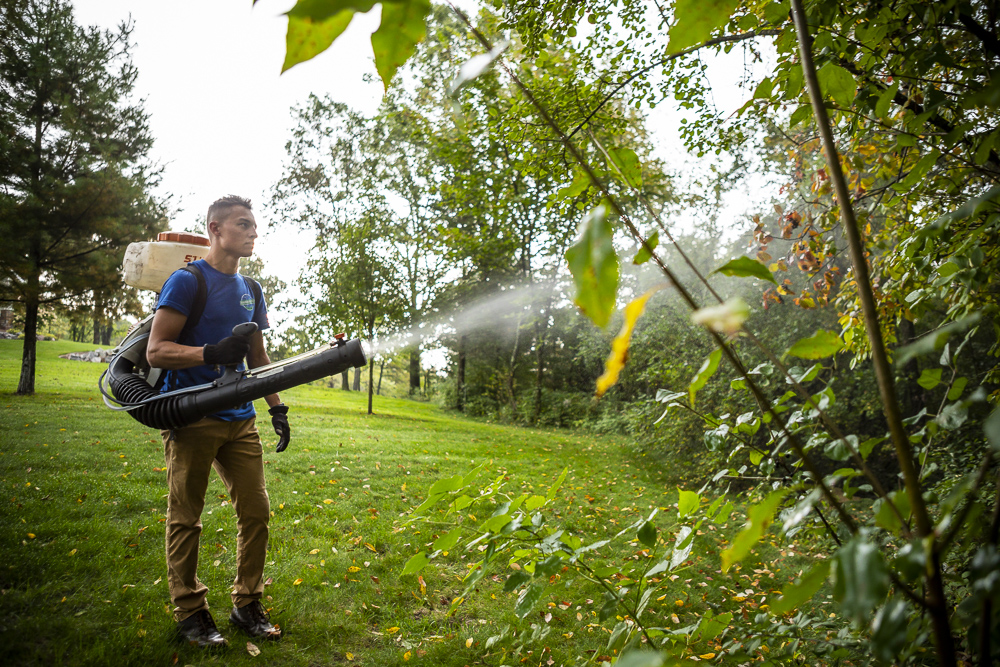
(75,178)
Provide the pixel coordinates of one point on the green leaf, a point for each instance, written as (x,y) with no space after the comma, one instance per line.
(761,517)
(746,267)
(818,346)
(803,590)
(446,485)
(640,658)
(934,341)
(527,600)
(953,415)
(695,21)
(799,115)
(534,502)
(306,37)
(687,503)
(860,578)
(402,27)
(889,630)
(930,378)
(476,66)
(707,370)
(957,387)
(885,99)
(681,553)
(885,517)
(627,166)
(644,255)
(712,626)
(549,566)
(516,580)
(415,564)
(838,83)
(992,429)
(557,484)
(763,89)
(594,265)
(647,534)
(319,10)
(448,540)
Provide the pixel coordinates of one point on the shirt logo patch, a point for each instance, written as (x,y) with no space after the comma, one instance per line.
(247,302)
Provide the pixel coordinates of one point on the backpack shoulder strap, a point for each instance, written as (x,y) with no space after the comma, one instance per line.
(200,297)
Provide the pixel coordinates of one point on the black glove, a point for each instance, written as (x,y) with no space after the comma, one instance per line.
(230,350)
(279,420)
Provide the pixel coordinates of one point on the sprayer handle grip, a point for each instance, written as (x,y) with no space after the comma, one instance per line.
(245,329)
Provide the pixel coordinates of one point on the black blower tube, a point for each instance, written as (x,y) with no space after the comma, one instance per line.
(170,412)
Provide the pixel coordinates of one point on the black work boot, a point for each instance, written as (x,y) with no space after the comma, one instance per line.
(199,629)
(253,620)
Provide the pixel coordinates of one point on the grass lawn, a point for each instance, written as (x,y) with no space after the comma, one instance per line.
(83,576)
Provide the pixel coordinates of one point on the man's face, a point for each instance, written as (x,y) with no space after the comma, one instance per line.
(235,233)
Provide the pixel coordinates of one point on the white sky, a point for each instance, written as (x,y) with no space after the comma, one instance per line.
(209,71)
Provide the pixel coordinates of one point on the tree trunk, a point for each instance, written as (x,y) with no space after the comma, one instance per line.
(381,367)
(539,371)
(109,328)
(26,384)
(345,381)
(371,385)
(415,370)
(357,379)
(460,377)
(513,365)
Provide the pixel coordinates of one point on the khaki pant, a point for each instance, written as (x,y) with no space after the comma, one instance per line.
(235,451)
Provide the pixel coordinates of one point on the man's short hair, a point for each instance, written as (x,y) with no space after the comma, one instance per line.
(222,206)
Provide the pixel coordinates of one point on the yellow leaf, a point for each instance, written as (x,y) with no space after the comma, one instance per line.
(252,650)
(619,346)
(354,568)
(31,536)
(313,552)
(673,617)
(468,643)
(296,582)
(406,656)
(327,501)
(403,488)
(72,552)
(706,656)
(370,547)
(349,655)
(393,630)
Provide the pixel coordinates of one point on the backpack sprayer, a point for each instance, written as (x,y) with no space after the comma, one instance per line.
(130,384)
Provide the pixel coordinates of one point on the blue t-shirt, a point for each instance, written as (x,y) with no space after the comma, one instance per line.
(229,301)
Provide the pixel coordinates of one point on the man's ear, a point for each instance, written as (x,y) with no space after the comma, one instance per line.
(213,229)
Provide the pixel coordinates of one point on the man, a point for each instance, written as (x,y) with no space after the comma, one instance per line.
(228,440)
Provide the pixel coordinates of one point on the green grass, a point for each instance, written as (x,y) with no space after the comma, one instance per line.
(83,573)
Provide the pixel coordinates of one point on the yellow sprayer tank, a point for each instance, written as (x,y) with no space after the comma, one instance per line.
(147,265)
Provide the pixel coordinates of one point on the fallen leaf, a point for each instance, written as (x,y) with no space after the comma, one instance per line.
(406,656)
(268,581)
(349,655)
(297,582)
(706,656)
(31,536)
(252,650)
(393,630)
(468,643)
(327,502)
(354,568)
(73,552)
(314,552)
(370,547)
